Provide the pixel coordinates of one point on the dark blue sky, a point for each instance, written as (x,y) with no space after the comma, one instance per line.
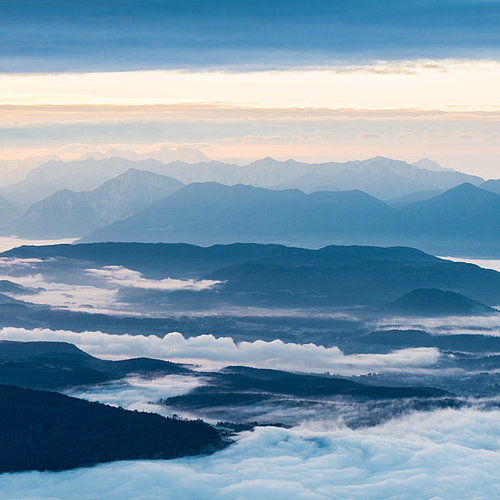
(55,35)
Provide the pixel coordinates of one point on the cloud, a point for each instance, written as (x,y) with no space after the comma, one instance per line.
(82,298)
(445,454)
(19,262)
(369,135)
(484,263)
(445,325)
(123,277)
(135,393)
(216,352)
(239,35)
(99,296)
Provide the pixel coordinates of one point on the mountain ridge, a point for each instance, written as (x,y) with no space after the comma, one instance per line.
(464,219)
(68,213)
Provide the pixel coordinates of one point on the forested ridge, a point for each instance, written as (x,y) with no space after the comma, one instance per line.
(42,430)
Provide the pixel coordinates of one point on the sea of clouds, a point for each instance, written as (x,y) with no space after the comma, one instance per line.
(212,352)
(446,454)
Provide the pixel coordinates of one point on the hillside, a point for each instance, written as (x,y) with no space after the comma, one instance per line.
(433,302)
(461,221)
(465,210)
(492,185)
(53,365)
(8,212)
(274,275)
(42,430)
(209,213)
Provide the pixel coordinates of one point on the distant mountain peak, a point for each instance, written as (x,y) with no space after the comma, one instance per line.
(467,189)
(433,301)
(431,165)
(265,161)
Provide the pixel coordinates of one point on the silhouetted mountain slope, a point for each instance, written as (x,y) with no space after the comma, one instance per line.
(211,212)
(465,210)
(8,212)
(6,299)
(274,275)
(58,365)
(128,193)
(7,286)
(62,214)
(492,185)
(156,259)
(404,201)
(235,392)
(462,220)
(79,175)
(323,282)
(241,393)
(241,378)
(428,164)
(380,177)
(25,315)
(68,214)
(42,430)
(434,302)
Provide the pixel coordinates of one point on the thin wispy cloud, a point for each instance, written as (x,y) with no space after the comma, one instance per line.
(123,277)
(445,325)
(135,393)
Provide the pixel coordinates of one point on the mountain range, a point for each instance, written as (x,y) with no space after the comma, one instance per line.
(463,220)
(268,275)
(381,177)
(68,213)
(8,212)
(426,206)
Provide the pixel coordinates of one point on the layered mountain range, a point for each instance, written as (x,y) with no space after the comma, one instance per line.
(69,213)
(377,201)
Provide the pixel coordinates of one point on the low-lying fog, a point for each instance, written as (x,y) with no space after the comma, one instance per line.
(438,455)
(136,393)
(415,454)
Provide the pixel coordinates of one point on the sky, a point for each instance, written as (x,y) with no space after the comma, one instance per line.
(240,80)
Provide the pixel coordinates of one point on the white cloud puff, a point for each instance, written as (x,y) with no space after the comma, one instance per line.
(446,454)
(212,352)
(123,277)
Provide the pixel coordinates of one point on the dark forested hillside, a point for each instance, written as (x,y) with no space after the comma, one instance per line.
(276,275)
(58,365)
(42,430)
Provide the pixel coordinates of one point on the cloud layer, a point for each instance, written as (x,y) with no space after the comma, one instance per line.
(69,36)
(443,455)
(445,325)
(216,352)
